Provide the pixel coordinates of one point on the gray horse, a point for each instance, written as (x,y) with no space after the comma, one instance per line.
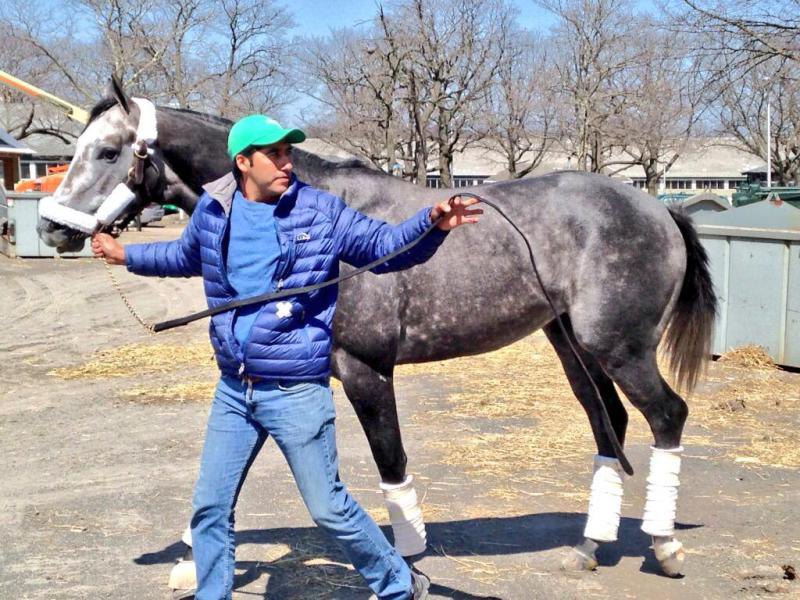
(623,272)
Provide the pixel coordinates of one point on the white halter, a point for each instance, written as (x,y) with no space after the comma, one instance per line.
(119,198)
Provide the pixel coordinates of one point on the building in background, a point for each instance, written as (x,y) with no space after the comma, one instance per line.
(49,152)
(11,153)
(705,166)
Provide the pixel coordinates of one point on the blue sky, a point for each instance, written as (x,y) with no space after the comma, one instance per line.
(318,18)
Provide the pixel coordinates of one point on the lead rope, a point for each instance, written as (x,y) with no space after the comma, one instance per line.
(147,326)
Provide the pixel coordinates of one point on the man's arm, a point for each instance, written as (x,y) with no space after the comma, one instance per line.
(362,239)
(178,258)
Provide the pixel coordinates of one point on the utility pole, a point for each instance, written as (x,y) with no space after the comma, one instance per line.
(769,144)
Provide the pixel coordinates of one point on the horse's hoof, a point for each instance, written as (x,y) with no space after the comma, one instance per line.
(577,560)
(183,577)
(670,555)
(183,594)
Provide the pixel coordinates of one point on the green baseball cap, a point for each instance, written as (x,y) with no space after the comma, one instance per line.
(260,130)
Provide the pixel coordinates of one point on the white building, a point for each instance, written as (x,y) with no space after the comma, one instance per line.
(705,165)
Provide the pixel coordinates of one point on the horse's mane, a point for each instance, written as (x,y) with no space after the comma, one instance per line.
(106,103)
(213,119)
(102,106)
(327,163)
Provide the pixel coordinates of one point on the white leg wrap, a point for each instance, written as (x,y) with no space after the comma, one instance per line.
(186,538)
(605,501)
(662,492)
(405,515)
(670,555)
(183,575)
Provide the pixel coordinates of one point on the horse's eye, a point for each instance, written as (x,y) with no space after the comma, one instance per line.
(108,154)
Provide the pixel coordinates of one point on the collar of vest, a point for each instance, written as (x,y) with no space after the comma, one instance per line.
(222,191)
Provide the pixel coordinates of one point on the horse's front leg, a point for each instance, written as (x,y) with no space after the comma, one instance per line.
(370,390)
(183,576)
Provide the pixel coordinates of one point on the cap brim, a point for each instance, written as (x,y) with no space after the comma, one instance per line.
(291,136)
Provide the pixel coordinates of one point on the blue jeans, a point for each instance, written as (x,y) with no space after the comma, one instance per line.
(300,418)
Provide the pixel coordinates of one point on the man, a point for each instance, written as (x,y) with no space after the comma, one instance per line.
(255,230)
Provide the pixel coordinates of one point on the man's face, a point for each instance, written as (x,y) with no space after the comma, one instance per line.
(267,172)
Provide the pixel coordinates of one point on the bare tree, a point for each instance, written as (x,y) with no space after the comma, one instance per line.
(592,51)
(742,32)
(254,72)
(19,113)
(227,57)
(742,113)
(519,114)
(459,46)
(357,77)
(414,81)
(415,96)
(664,98)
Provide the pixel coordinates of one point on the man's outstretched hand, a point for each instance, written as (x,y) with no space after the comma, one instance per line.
(105,246)
(455,212)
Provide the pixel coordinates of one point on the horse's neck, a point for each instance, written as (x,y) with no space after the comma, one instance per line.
(367,190)
(195,152)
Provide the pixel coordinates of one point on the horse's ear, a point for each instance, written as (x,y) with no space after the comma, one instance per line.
(115,91)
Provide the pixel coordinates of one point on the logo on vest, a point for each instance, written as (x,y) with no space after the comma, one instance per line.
(302,237)
(283,310)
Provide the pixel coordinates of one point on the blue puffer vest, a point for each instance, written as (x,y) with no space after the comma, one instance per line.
(290,338)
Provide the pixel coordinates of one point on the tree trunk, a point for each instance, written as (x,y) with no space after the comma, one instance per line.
(420,163)
(512,167)
(445,169)
(445,151)
(652,185)
(651,176)
(418,133)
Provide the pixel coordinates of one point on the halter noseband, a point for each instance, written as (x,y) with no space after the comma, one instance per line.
(123,194)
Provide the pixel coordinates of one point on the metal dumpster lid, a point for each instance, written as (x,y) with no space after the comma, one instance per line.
(765,219)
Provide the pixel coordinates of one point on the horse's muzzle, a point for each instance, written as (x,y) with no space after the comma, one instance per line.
(55,235)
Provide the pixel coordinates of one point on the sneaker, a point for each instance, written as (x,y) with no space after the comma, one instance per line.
(419,585)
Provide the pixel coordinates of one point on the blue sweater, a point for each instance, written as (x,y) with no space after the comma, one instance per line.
(253,253)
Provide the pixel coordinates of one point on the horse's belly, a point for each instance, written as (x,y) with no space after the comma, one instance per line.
(472,332)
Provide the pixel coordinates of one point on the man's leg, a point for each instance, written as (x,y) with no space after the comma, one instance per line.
(300,418)
(233,440)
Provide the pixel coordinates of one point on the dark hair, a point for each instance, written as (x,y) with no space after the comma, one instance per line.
(237,174)
(248,154)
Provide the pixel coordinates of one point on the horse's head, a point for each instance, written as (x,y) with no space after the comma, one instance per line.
(103,183)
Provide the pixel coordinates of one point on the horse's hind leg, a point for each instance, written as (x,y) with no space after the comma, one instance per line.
(605,503)
(635,371)
(371,392)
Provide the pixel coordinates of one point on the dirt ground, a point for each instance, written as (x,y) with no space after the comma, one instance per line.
(101,427)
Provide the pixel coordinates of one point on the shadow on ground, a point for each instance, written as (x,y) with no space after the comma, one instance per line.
(498,536)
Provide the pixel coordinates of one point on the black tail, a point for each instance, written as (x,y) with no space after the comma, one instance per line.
(688,338)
